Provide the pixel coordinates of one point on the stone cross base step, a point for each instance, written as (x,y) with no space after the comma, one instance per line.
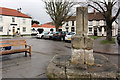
(61,67)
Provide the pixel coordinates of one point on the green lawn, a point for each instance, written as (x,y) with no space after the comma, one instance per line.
(94,37)
(108,42)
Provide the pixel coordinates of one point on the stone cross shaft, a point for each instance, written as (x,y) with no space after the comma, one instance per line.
(82,21)
(82,45)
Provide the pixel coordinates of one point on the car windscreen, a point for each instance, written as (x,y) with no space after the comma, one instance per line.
(71,33)
(46,32)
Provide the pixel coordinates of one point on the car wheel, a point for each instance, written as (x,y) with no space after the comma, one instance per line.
(42,37)
(2,49)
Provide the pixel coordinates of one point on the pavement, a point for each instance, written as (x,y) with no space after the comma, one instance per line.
(111,49)
(18,66)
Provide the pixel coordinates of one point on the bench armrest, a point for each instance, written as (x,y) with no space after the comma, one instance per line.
(28,46)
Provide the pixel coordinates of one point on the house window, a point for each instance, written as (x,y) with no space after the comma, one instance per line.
(24,29)
(67,23)
(104,23)
(67,29)
(0,18)
(97,23)
(72,23)
(90,23)
(90,30)
(18,28)
(24,21)
(13,19)
(100,29)
(1,29)
(72,29)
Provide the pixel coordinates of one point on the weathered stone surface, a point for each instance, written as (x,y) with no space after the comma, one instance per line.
(82,20)
(89,58)
(77,56)
(103,75)
(77,42)
(80,42)
(75,72)
(88,43)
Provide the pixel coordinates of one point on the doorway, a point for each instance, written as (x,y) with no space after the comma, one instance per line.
(13,30)
(95,31)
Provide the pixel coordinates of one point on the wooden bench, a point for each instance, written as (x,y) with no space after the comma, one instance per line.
(26,49)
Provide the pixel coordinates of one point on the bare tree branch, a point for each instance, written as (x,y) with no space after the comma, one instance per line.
(58,10)
(100,6)
(115,17)
(97,10)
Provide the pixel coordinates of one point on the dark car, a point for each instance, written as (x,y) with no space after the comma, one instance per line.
(118,38)
(59,35)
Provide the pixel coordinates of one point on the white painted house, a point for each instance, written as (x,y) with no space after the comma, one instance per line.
(96,25)
(12,21)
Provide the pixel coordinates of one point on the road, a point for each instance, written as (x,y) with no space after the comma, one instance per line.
(18,66)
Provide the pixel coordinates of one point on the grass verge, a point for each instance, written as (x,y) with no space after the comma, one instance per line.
(108,42)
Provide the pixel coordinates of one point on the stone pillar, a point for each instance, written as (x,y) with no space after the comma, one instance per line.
(82,45)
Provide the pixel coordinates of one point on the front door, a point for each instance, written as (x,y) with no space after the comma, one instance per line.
(13,30)
(95,31)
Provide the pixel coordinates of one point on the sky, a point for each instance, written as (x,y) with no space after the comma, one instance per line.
(33,8)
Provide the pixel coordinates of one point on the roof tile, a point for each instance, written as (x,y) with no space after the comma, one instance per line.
(12,12)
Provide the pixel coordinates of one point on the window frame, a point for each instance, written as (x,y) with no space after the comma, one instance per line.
(67,23)
(13,19)
(90,32)
(1,28)
(97,23)
(90,23)
(24,29)
(73,24)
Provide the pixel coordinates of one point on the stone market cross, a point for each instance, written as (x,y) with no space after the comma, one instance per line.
(82,45)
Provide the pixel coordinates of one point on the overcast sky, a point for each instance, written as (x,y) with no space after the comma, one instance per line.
(34,8)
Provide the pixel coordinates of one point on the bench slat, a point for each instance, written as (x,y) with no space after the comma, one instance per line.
(13,51)
(10,41)
(14,44)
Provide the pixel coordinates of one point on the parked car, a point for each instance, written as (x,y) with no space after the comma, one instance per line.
(48,35)
(118,38)
(42,34)
(34,32)
(68,36)
(45,35)
(59,35)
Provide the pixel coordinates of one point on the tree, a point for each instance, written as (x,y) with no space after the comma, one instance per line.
(58,10)
(34,21)
(106,8)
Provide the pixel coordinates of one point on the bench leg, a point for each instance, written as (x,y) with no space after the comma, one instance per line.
(25,51)
(30,51)
(26,54)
